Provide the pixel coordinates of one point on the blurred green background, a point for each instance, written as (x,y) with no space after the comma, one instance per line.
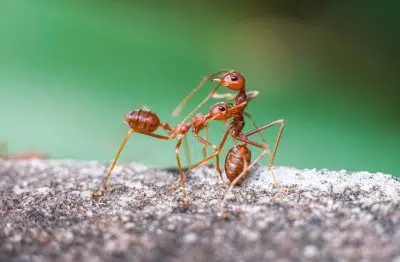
(70,70)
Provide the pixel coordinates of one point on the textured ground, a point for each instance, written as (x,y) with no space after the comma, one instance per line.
(47,214)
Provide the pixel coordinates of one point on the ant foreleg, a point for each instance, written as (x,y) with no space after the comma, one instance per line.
(230,96)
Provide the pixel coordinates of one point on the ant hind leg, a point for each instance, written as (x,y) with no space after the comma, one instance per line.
(280,122)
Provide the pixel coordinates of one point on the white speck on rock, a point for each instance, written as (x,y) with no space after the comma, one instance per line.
(250,235)
(68,237)
(150,193)
(129,225)
(17,190)
(86,194)
(230,196)
(43,190)
(310,251)
(396,259)
(190,238)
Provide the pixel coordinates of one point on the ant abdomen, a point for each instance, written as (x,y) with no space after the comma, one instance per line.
(235,162)
(142,120)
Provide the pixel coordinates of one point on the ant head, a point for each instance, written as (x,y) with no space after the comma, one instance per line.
(232,80)
(219,111)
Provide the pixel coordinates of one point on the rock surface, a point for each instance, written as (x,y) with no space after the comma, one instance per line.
(47,214)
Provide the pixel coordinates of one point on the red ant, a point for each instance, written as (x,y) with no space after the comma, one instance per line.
(20,156)
(146,122)
(238,157)
(234,80)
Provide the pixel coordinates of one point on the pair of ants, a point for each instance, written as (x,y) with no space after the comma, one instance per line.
(238,159)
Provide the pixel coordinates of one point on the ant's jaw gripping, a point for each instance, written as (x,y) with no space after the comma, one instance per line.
(218,80)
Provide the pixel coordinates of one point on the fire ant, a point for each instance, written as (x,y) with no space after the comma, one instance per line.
(146,122)
(238,157)
(234,80)
(20,156)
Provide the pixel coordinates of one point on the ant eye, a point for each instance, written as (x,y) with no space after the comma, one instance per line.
(221,108)
(234,78)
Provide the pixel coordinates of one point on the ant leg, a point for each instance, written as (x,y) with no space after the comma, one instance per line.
(205,143)
(280,122)
(182,179)
(205,159)
(213,91)
(3,150)
(278,138)
(230,96)
(227,96)
(252,94)
(170,130)
(187,151)
(255,126)
(246,169)
(216,153)
(244,139)
(261,138)
(103,186)
(179,108)
(204,147)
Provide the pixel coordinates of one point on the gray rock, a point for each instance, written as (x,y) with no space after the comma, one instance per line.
(47,214)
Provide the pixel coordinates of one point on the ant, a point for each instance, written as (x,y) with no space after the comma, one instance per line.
(238,157)
(146,122)
(234,80)
(20,156)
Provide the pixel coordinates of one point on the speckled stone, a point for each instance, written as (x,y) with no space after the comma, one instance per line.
(47,214)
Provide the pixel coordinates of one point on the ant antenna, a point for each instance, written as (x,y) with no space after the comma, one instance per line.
(179,108)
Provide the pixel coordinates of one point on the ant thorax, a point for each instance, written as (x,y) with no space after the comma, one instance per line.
(182,128)
(199,120)
(241,97)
